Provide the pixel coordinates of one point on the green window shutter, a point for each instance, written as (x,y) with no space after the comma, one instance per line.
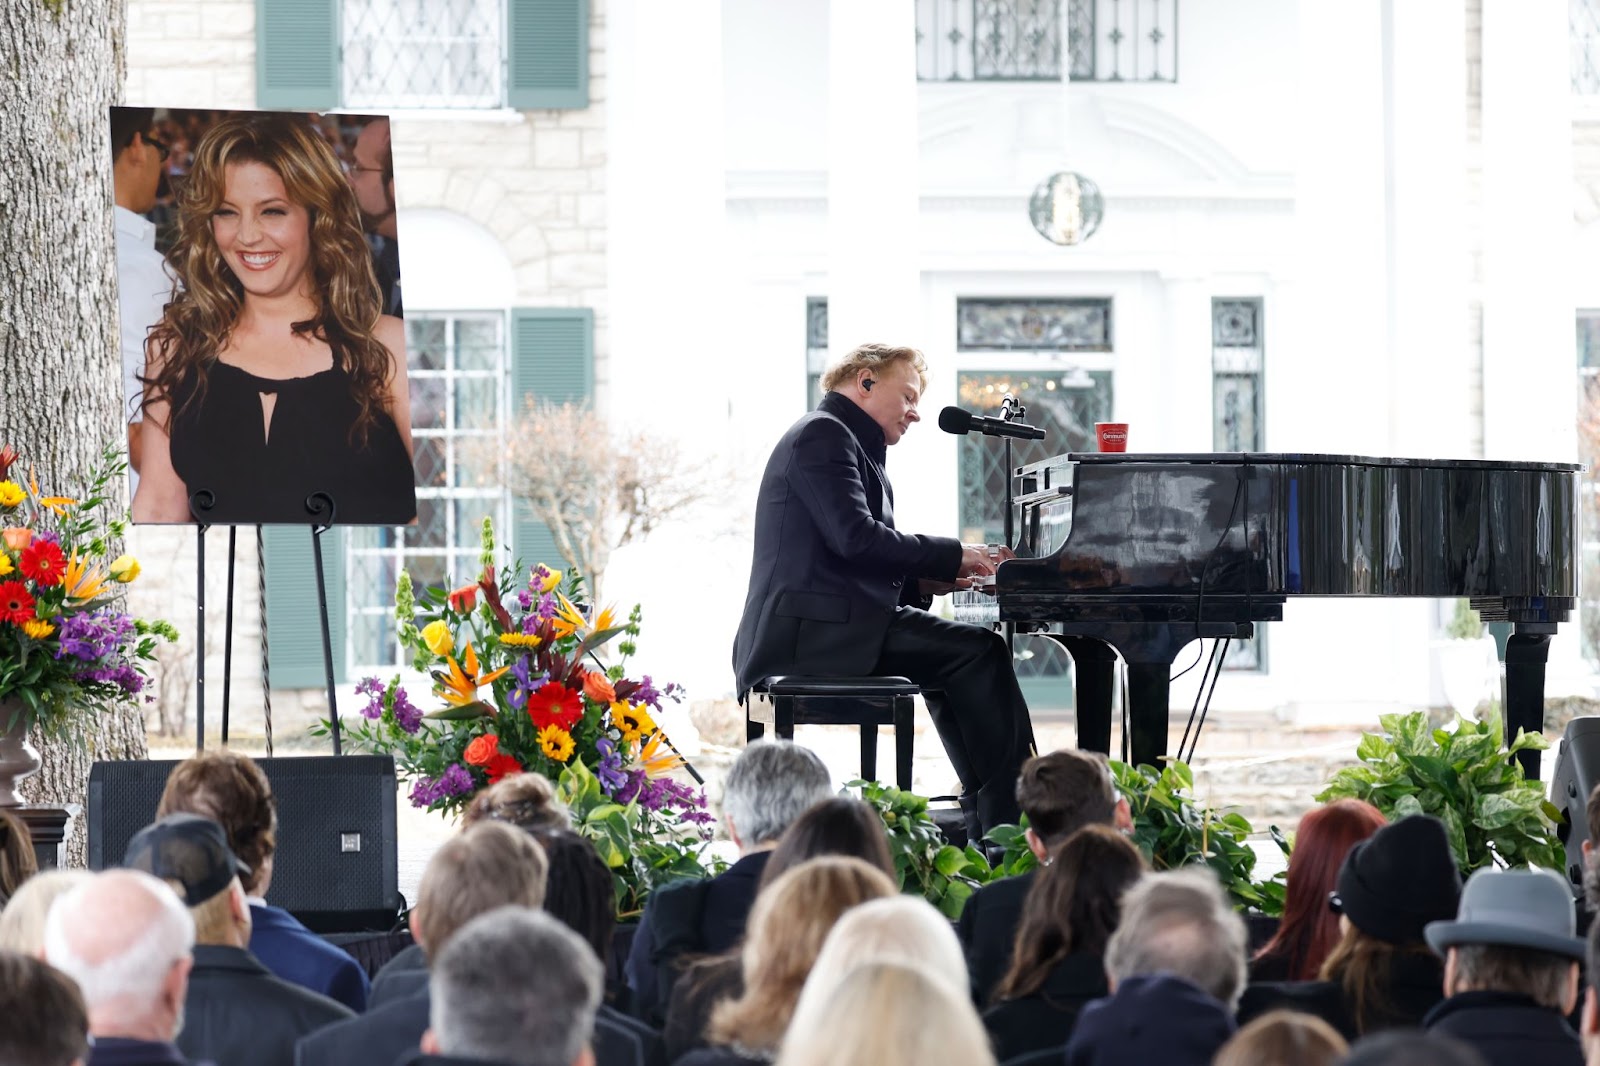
(552,358)
(547,50)
(297,54)
(294,625)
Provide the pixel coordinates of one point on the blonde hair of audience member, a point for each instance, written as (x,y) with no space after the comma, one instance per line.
(1283,1038)
(876,358)
(889,1014)
(527,801)
(126,939)
(788,925)
(902,929)
(22,920)
(17,861)
(487,865)
(224,919)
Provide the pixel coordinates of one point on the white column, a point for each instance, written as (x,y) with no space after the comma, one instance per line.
(873,280)
(1529,371)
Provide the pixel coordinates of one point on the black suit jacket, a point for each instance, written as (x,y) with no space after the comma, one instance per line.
(237,1012)
(829,568)
(987,929)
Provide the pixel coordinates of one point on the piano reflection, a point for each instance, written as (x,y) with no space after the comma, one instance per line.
(1138,554)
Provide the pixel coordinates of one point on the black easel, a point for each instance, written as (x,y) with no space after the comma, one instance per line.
(200,505)
(321,508)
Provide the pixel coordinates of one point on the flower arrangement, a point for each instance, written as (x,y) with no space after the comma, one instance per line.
(66,644)
(521,688)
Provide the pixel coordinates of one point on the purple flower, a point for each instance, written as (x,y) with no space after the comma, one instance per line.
(609,770)
(93,635)
(648,693)
(370,686)
(525,598)
(547,606)
(635,781)
(455,781)
(407,715)
(522,670)
(120,674)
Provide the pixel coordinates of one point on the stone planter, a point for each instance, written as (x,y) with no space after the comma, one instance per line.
(18,759)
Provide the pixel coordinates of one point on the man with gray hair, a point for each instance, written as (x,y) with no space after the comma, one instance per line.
(1176,967)
(127,940)
(770,784)
(513,987)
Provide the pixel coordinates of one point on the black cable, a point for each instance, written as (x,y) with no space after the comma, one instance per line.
(1211,663)
(1206,709)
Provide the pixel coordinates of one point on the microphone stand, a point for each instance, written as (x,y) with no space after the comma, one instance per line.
(1010,411)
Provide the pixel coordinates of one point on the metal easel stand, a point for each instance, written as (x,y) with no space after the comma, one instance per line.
(322,509)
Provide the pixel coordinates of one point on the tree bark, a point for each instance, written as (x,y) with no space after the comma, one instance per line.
(60,389)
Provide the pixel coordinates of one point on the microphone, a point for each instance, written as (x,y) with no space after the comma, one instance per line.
(955,420)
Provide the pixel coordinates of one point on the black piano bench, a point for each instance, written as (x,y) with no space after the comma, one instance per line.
(786,701)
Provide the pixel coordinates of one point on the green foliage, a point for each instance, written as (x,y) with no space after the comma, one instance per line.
(1464,622)
(1173,831)
(1467,779)
(925,862)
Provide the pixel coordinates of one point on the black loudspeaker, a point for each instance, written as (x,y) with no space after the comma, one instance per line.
(1577,773)
(337,867)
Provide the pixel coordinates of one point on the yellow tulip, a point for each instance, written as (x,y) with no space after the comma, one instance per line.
(436,635)
(124,568)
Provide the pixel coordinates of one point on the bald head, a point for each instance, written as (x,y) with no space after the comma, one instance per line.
(125,938)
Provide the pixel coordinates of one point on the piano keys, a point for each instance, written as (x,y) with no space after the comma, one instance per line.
(1135,555)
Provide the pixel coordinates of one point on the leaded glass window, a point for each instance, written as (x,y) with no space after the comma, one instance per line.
(1020,40)
(816,348)
(989,324)
(423,53)
(457,366)
(1236,398)
(1589,485)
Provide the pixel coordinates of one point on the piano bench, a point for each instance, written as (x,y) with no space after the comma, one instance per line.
(786,701)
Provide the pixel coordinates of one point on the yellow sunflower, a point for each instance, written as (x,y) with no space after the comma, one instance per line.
(37,629)
(519,640)
(556,743)
(634,721)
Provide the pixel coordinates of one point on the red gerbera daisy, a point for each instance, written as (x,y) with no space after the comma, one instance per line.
(555,704)
(16,606)
(43,561)
(502,765)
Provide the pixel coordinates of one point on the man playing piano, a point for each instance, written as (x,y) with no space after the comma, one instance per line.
(836,590)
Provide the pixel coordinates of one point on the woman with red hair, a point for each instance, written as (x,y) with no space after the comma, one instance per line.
(1309,930)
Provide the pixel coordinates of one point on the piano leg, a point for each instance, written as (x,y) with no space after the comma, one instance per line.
(1094,665)
(1526,654)
(1148,690)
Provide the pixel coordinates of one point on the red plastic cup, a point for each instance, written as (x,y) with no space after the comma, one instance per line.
(1111,436)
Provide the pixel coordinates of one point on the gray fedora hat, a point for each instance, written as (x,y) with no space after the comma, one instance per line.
(1513,908)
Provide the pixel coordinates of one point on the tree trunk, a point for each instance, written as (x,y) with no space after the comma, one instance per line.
(61,390)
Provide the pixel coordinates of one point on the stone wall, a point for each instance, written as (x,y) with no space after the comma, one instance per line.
(535,180)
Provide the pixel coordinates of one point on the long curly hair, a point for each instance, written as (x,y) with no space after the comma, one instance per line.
(207,298)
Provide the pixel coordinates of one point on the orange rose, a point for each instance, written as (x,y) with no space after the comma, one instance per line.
(482,750)
(598,688)
(17,537)
(463,599)
(502,766)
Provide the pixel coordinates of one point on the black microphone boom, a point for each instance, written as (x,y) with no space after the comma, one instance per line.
(955,420)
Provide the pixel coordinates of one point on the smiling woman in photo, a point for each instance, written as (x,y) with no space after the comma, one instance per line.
(272,375)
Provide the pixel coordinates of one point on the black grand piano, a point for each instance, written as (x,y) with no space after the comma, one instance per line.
(1138,554)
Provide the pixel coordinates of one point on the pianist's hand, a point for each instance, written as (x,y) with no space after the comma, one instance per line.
(976,561)
(928,587)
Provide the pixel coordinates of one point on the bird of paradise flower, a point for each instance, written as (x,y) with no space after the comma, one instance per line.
(459,687)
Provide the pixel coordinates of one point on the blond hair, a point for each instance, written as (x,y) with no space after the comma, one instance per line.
(22,921)
(876,358)
(213,918)
(527,801)
(889,1014)
(1283,1038)
(903,929)
(488,865)
(788,925)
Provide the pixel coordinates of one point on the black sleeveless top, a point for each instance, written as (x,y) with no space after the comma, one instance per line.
(220,444)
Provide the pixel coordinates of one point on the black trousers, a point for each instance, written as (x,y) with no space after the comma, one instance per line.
(977,706)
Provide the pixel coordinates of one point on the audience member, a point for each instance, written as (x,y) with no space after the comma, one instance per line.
(1059,793)
(1058,961)
(1410,1047)
(1176,966)
(485,866)
(372,178)
(842,825)
(1381,974)
(231,790)
(22,920)
(514,987)
(901,929)
(46,1023)
(1511,969)
(887,1013)
(1589,1022)
(236,1011)
(17,861)
(837,826)
(1309,930)
(788,925)
(527,801)
(125,939)
(770,784)
(1283,1038)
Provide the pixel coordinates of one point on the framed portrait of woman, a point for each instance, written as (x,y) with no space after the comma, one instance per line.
(263,349)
